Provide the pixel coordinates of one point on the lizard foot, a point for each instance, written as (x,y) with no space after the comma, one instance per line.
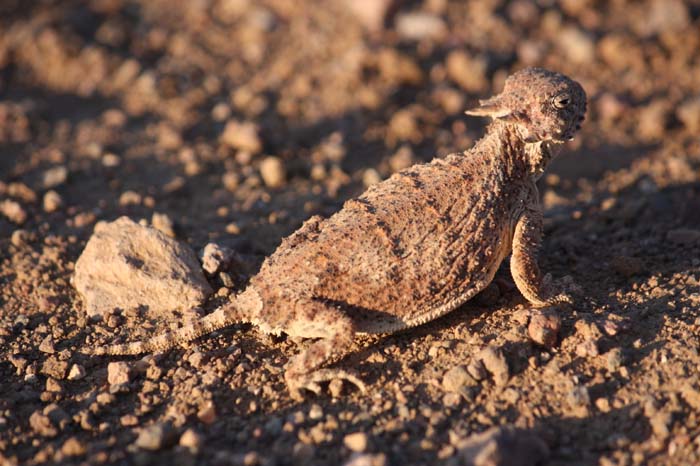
(311,381)
(560,291)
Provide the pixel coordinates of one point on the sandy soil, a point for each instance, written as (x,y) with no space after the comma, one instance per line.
(116,107)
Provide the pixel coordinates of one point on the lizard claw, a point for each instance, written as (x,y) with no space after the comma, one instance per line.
(310,382)
(561,298)
(560,291)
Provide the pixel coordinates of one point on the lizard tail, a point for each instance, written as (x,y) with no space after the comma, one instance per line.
(239,310)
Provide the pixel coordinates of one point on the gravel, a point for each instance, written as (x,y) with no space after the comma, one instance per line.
(166,113)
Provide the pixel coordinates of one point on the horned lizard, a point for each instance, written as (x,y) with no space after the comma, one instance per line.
(413,247)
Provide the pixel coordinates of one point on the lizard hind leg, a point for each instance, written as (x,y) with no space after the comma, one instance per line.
(310,367)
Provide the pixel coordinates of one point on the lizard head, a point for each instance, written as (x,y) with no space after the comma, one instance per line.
(542,104)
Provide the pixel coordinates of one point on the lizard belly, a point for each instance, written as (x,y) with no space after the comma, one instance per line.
(373,322)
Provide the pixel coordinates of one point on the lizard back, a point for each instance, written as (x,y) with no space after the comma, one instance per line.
(409,249)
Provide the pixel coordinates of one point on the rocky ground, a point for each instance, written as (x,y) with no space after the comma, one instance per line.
(231,121)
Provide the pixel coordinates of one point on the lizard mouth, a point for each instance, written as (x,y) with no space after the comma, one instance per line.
(568,135)
(574,128)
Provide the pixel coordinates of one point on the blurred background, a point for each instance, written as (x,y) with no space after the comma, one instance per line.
(209,109)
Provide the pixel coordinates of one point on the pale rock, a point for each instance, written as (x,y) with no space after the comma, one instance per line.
(126,265)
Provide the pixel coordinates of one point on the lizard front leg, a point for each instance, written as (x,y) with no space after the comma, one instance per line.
(527,239)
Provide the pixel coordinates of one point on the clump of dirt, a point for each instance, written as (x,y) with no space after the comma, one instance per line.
(232,121)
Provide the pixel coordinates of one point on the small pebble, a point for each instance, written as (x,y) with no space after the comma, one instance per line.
(55,176)
(603,405)
(192,440)
(241,135)
(366,459)
(41,424)
(128,198)
(230,181)
(315,412)
(418,26)
(579,46)
(76,372)
(169,138)
(163,223)
(52,201)
(689,114)
(220,112)
(156,437)
(335,387)
(544,326)
(53,386)
(403,158)
(467,71)
(105,398)
(495,362)
(614,359)
(46,345)
(477,370)
(370,177)
(129,420)
(13,211)
(20,238)
(22,192)
(54,368)
(456,379)
(660,423)
(273,172)
(579,397)
(588,348)
(452,400)
(371,13)
(73,447)
(110,160)
(216,258)
(118,373)
(357,441)
(19,362)
(612,327)
(207,414)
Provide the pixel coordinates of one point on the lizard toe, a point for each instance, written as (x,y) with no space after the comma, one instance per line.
(310,382)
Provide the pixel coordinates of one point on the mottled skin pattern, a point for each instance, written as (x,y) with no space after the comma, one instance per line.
(415,246)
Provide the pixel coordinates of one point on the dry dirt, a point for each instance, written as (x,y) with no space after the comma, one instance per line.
(118,107)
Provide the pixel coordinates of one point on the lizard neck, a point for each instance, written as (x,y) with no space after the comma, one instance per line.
(539,154)
(518,157)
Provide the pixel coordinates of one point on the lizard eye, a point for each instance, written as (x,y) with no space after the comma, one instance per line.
(561,101)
